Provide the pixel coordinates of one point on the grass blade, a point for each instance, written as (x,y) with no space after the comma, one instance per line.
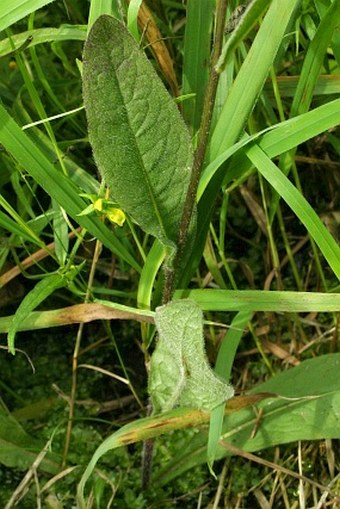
(196,58)
(237,107)
(314,59)
(310,413)
(317,230)
(248,19)
(40,292)
(132,18)
(224,363)
(255,68)
(14,10)
(56,184)
(78,313)
(151,427)
(98,8)
(260,300)
(42,35)
(279,139)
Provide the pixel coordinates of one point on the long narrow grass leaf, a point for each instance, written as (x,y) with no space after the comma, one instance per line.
(21,230)
(42,35)
(78,313)
(261,300)
(98,8)
(275,141)
(14,10)
(55,183)
(224,363)
(154,426)
(132,18)
(313,61)
(247,20)
(40,292)
(307,215)
(196,58)
(254,70)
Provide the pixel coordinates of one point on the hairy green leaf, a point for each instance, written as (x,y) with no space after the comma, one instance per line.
(140,143)
(308,408)
(179,370)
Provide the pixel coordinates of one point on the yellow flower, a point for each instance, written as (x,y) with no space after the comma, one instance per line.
(98,204)
(115,215)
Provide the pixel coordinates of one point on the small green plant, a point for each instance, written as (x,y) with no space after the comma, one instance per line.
(172,167)
(141,147)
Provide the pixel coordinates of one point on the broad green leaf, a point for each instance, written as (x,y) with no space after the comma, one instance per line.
(308,409)
(179,369)
(14,10)
(140,143)
(18,449)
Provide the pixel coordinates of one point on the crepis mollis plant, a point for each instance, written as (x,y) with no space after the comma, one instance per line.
(144,152)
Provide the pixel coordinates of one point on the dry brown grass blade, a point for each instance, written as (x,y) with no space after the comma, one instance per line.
(83,313)
(155,39)
(280,352)
(22,488)
(78,313)
(255,208)
(34,258)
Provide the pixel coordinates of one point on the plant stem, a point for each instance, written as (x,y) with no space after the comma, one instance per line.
(190,201)
(203,138)
(76,350)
